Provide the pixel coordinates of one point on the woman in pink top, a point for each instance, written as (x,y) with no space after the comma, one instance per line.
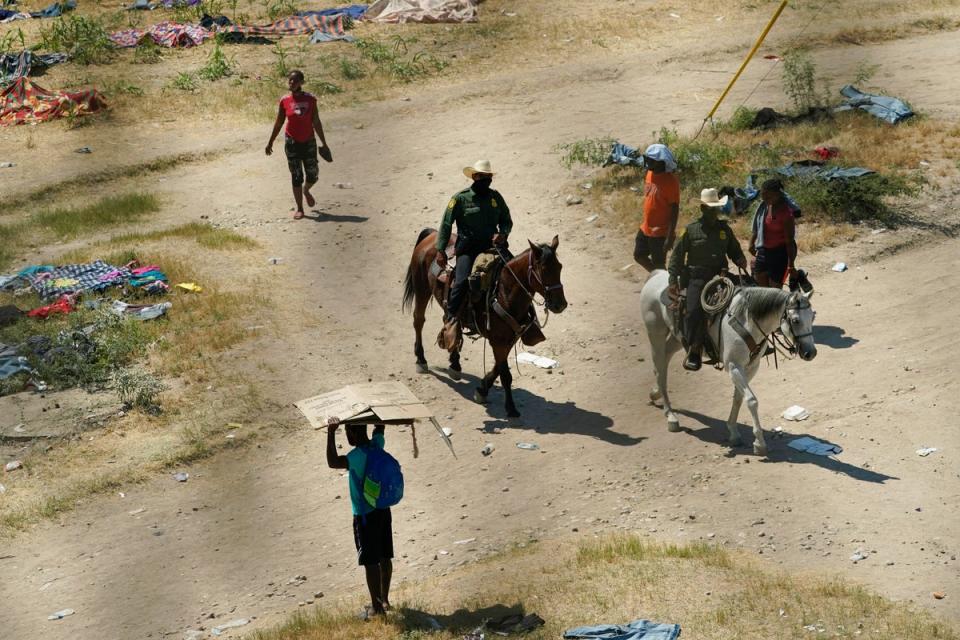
(299,110)
(773,240)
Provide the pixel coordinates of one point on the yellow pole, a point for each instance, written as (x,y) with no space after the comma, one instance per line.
(747,59)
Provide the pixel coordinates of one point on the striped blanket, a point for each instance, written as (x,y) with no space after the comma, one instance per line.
(292,26)
(165,34)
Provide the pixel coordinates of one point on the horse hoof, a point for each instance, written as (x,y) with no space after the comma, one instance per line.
(654,396)
(759,450)
(479,398)
(735,442)
(422,367)
(673,426)
(454,374)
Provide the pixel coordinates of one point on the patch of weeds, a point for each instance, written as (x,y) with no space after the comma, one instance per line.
(859,200)
(375,51)
(741,119)
(865,72)
(278,8)
(351,69)
(84,38)
(218,65)
(204,234)
(285,61)
(327,88)
(702,161)
(800,81)
(139,389)
(147,52)
(10,40)
(70,222)
(599,42)
(590,152)
(184,81)
(123,87)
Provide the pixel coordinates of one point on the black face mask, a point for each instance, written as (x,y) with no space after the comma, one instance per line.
(482,186)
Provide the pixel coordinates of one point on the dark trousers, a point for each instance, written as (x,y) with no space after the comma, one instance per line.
(460,285)
(693,321)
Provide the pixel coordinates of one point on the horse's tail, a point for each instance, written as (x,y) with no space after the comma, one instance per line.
(408,287)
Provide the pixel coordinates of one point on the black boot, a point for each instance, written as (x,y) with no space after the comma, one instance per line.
(692,363)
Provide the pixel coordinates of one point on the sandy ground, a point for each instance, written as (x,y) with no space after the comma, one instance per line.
(229,541)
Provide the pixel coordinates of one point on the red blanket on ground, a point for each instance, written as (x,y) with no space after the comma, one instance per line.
(23,102)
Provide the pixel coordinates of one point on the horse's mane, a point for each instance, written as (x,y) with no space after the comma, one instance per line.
(545,249)
(758,301)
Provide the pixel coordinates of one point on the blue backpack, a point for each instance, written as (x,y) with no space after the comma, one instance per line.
(382,479)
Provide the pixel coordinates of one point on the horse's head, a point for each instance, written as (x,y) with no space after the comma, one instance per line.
(797,324)
(545,275)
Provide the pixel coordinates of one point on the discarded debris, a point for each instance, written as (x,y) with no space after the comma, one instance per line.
(539,361)
(487,449)
(807,444)
(84,150)
(592,218)
(530,446)
(13,465)
(275,260)
(939,595)
(59,615)
(233,624)
(796,413)
(839,267)
(467,541)
(447,431)
(181,476)
(571,199)
(3,489)
(925,451)
(190,286)
(137,512)
(858,556)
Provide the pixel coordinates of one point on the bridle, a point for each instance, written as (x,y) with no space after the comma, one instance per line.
(531,274)
(797,302)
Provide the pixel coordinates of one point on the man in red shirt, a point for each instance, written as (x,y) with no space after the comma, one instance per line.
(661,208)
(299,109)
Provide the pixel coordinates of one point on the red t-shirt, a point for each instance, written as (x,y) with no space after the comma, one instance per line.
(774,225)
(299,111)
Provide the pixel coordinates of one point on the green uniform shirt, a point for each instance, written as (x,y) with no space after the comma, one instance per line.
(703,245)
(476,217)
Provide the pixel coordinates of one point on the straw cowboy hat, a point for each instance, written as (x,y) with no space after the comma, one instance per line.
(480,166)
(711,198)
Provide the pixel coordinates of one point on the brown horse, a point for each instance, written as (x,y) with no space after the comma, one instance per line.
(535,271)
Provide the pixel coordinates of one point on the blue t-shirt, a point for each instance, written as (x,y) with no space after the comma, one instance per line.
(357,462)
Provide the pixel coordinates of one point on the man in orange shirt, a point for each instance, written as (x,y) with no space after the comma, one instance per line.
(661,208)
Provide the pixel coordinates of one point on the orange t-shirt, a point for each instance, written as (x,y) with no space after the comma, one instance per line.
(661,191)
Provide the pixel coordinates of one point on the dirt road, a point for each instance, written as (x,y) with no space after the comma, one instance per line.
(229,541)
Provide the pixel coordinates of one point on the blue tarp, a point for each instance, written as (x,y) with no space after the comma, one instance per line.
(636,630)
(623,155)
(890,109)
(814,169)
(55,9)
(354,11)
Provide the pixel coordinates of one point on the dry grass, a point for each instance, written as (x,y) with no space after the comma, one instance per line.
(864,141)
(190,347)
(571,30)
(712,593)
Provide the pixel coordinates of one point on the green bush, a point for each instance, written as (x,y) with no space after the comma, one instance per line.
(800,81)
(703,162)
(184,82)
(147,52)
(590,152)
(84,39)
(741,119)
(138,389)
(351,69)
(218,65)
(860,200)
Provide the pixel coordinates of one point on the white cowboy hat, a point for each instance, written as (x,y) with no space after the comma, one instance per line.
(711,198)
(480,166)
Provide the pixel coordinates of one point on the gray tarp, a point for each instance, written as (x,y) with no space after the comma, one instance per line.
(422,11)
(890,109)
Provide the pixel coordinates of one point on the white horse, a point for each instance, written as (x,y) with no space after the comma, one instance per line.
(740,331)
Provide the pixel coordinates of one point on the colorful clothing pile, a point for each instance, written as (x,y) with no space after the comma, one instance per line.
(165,34)
(293,26)
(23,102)
(77,278)
(151,279)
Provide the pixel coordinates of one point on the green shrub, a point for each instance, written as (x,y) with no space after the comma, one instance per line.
(218,65)
(147,52)
(327,88)
(184,82)
(800,81)
(591,152)
(84,39)
(859,200)
(351,69)
(704,162)
(138,389)
(741,119)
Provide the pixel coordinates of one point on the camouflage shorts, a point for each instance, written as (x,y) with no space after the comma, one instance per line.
(302,160)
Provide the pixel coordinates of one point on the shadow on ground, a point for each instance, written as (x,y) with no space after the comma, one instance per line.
(539,414)
(714,431)
(319,216)
(834,337)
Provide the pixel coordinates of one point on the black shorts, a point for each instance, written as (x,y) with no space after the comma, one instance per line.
(772,262)
(652,248)
(373,537)
(302,160)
